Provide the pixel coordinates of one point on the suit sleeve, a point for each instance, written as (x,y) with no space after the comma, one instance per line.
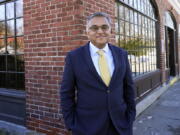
(67,93)
(129,91)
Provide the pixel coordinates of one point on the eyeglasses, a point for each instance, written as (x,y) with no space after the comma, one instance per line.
(95,28)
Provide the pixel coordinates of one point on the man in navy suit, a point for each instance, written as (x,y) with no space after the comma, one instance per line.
(95,100)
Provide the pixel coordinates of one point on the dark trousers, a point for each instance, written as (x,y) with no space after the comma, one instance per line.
(111,129)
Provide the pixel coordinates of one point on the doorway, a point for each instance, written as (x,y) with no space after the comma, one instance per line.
(170,51)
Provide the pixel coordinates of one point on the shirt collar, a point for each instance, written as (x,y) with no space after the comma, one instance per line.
(94,49)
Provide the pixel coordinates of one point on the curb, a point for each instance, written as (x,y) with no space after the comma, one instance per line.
(7,128)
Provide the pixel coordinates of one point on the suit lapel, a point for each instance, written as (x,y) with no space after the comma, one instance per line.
(90,64)
(117,63)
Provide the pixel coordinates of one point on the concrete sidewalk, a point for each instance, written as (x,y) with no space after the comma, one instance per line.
(163,116)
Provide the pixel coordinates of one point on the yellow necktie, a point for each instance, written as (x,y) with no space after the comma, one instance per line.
(103,67)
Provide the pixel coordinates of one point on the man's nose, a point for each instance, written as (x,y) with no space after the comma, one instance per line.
(99,30)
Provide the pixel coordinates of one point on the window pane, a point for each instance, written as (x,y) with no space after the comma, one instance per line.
(127,39)
(121,12)
(131,2)
(2,29)
(127,14)
(122,41)
(127,28)
(151,35)
(148,10)
(136,4)
(19,27)
(142,21)
(151,12)
(139,20)
(154,59)
(10,10)
(11,80)
(143,32)
(169,20)
(2,46)
(2,63)
(121,25)
(117,40)
(19,8)
(131,30)
(153,16)
(135,18)
(10,28)
(116,27)
(20,63)
(20,81)
(11,66)
(20,45)
(140,35)
(131,16)
(136,30)
(145,22)
(126,1)
(139,5)
(143,6)
(10,46)
(2,12)
(2,80)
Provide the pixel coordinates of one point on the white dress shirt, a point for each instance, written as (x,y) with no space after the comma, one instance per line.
(95,57)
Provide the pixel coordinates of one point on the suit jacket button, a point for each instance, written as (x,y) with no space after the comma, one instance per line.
(108,91)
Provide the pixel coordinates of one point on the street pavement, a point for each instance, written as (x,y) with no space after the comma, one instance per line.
(163,116)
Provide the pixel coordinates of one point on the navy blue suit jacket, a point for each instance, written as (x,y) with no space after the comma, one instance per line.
(87,103)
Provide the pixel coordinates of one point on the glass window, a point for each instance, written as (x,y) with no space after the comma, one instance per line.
(131,30)
(137,35)
(10,28)
(168,20)
(126,1)
(2,12)
(10,10)
(131,16)
(121,12)
(135,4)
(11,45)
(135,18)
(2,45)
(122,27)
(19,26)
(2,29)
(131,2)
(20,45)
(126,11)
(19,8)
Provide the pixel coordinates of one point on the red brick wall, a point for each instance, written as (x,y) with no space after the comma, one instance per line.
(52,28)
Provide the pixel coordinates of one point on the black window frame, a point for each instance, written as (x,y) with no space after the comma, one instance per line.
(150,44)
(12,74)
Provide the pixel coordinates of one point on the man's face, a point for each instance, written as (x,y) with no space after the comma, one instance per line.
(98,31)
